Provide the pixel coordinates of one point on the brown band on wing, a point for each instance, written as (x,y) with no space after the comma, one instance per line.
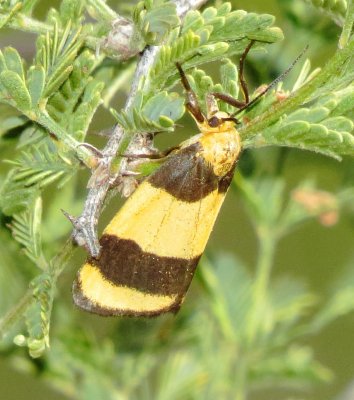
(186,175)
(226,180)
(123,263)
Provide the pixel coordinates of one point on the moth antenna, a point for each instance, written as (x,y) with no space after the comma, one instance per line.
(272,84)
(233,119)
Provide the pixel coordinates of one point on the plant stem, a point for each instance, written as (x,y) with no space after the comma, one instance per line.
(82,152)
(16,313)
(241,381)
(348,25)
(28,24)
(267,245)
(264,265)
(332,68)
(59,262)
(103,10)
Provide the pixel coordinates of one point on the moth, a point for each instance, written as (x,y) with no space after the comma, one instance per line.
(152,246)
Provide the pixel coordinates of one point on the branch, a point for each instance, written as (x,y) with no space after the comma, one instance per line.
(85,225)
(183,6)
(103,10)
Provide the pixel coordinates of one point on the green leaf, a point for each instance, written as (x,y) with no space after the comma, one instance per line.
(290,302)
(294,365)
(202,84)
(28,6)
(164,105)
(3,66)
(17,91)
(305,75)
(231,26)
(13,280)
(75,103)
(164,65)
(71,11)
(36,168)
(335,8)
(135,121)
(318,128)
(263,199)
(158,113)
(193,21)
(14,62)
(15,197)
(35,83)
(205,37)
(34,134)
(25,229)
(56,53)
(10,118)
(339,302)
(175,382)
(340,124)
(38,314)
(229,288)
(9,13)
(229,82)
(344,102)
(155,19)
(82,117)
(312,115)
(41,166)
(57,80)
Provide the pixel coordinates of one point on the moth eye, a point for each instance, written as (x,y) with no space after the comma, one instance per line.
(214,122)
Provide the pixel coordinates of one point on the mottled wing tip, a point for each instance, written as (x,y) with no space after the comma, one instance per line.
(81,301)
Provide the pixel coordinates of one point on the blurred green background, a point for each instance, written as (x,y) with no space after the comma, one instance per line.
(90,355)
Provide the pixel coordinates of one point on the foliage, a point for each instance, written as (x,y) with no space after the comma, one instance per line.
(246,330)
(336,9)
(155,19)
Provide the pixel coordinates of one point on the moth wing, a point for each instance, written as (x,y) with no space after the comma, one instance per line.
(152,246)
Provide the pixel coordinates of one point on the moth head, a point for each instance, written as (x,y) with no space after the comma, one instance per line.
(218,122)
(214,121)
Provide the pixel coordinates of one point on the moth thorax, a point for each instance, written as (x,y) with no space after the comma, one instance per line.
(221,150)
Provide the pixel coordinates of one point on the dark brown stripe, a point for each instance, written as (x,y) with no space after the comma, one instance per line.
(186,175)
(226,180)
(123,263)
(85,303)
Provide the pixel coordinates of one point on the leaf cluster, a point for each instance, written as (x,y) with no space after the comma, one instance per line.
(203,37)
(323,127)
(53,102)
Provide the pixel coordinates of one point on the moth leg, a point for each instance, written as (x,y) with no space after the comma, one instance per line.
(192,102)
(241,77)
(152,156)
(231,100)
